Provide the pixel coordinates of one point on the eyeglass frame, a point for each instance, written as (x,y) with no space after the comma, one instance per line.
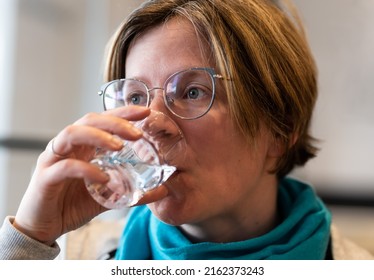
(210,71)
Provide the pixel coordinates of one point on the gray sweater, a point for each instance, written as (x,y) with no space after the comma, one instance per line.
(15,245)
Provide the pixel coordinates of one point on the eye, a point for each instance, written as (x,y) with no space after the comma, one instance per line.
(136,98)
(194,93)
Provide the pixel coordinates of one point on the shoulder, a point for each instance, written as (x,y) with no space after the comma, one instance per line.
(344,249)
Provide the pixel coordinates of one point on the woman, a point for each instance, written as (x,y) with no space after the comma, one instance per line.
(230,198)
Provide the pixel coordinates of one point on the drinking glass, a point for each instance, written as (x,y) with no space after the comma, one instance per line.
(141,165)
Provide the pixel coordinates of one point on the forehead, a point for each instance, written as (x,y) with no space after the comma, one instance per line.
(167,48)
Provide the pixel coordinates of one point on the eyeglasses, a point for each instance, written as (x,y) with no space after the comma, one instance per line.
(188,94)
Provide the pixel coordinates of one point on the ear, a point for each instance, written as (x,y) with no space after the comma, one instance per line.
(279,146)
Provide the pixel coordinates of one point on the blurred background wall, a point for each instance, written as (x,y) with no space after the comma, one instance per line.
(51,56)
(342,38)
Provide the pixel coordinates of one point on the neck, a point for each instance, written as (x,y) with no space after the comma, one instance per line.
(251,218)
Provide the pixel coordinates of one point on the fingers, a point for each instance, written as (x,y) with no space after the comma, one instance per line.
(67,156)
(80,135)
(51,148)
(72,169)
(97,131)
(131,113)
(109,123)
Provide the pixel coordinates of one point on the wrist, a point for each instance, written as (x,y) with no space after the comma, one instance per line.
(31,233)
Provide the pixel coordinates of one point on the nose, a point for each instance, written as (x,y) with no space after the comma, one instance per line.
(162,131)
(159,124)
(157,100)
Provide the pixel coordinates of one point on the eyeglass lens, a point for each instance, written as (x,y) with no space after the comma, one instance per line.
(188,94)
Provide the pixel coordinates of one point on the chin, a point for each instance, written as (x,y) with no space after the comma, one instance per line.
(180,205)
(171,211)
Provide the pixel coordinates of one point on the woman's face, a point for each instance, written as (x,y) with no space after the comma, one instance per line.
(221,175)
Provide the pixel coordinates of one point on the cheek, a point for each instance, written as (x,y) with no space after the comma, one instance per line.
(215,136)
(216,147)
(205,139)
(223,157)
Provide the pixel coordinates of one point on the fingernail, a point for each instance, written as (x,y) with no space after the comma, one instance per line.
(136,131)
(117,141)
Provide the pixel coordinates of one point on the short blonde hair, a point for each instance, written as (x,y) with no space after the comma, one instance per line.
(261,45)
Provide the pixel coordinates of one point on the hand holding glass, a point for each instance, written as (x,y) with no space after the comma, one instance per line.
(140,166)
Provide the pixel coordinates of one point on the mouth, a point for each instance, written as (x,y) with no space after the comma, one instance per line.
(176,172)
(173,178)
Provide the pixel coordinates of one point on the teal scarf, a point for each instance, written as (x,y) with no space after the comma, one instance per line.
(303,234)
